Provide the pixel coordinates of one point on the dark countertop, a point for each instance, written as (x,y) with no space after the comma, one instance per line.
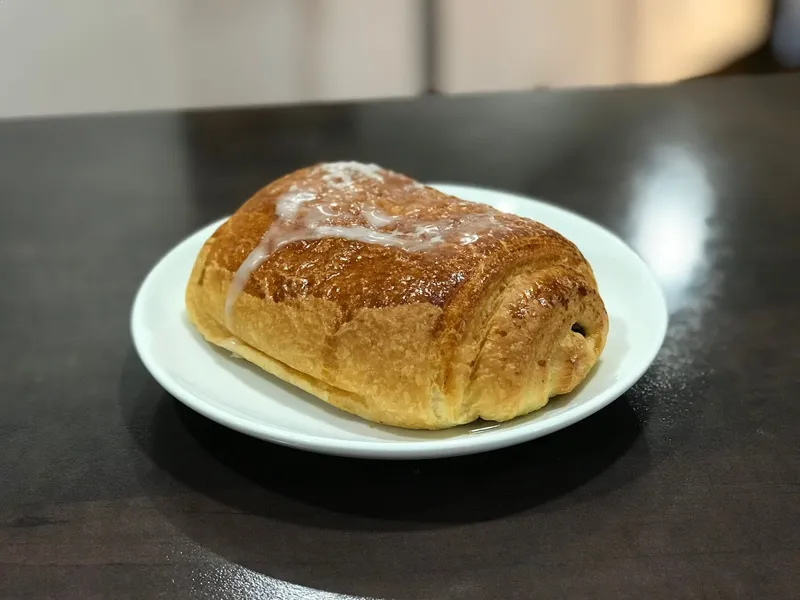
(686,487)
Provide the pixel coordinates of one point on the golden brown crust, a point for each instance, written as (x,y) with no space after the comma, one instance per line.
(421,339)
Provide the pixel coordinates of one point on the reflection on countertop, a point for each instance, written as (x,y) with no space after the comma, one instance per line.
(673,202)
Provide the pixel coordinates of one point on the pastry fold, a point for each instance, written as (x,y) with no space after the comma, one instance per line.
(397,303)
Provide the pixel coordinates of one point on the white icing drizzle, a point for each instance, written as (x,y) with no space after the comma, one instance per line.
(292,201)
(340,175)
(306,212)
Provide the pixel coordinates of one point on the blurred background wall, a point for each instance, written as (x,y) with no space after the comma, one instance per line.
(86,56)
(528,43)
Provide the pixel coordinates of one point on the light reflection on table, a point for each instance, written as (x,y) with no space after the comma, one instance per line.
(674,201)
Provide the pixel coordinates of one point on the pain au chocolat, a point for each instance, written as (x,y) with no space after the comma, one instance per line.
(398,303)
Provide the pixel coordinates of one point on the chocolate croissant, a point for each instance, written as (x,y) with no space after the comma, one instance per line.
(398,303)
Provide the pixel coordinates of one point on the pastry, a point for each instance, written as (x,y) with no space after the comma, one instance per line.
(398,303)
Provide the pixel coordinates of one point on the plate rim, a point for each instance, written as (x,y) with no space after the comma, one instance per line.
(400,449)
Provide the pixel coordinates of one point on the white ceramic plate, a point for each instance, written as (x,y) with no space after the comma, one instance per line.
(247,399)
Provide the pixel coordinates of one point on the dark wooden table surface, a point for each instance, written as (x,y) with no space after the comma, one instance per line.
(686,487)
